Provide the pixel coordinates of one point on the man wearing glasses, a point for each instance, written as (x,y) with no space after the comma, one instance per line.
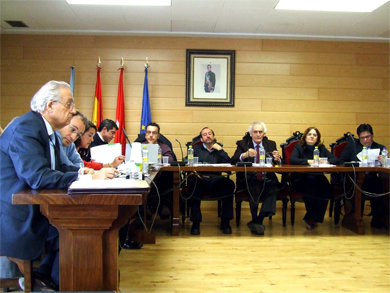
(372,183)
(30,159)
(152,135)
(69,134)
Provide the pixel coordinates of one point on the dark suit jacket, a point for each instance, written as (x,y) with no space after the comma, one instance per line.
(25,164)
(353,148)
(97,140)
(243,146)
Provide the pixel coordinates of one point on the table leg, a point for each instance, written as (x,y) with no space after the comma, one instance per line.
(175,205)
(88,244)
(353,214)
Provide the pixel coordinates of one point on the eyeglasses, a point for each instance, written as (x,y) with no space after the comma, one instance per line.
(152,132)
(257,131)
(366,137)
(73,129)
(67,105)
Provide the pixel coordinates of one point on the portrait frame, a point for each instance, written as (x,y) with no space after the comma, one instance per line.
(210,77)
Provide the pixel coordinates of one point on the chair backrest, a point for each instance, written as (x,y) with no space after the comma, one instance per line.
(141,138)
(338,146)
(288,146)
(196,140)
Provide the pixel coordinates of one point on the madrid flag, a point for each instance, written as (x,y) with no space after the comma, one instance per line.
(120,114)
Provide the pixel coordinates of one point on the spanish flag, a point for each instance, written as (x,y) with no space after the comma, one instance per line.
(97,113)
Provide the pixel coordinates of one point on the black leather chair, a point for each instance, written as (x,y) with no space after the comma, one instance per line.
(336,180)
(293,195)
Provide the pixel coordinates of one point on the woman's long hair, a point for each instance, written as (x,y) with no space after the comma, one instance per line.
(318,142)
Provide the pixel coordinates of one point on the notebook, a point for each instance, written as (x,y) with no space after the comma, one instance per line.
(116,185)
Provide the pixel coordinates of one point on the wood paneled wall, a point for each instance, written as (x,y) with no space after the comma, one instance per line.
(288,84)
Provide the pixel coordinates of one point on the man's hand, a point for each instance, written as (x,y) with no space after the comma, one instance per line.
(276,156)
(249,153)
(117,161)
(217,147)
(105,173)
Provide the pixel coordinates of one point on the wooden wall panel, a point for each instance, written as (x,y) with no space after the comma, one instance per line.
(289,84)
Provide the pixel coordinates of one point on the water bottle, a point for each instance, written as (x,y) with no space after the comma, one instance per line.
(159,157)
(364,157)
(132,170)
(316,157)
(262,156)
(145,160)
(190,156)
(384,157)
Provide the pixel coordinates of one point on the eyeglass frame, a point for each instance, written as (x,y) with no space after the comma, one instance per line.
(73,129)
(67,105)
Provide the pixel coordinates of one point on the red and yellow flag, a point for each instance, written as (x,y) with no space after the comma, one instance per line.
(120,115)
(97,113)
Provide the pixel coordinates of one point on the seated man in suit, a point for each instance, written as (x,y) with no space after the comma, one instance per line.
(219,186)
(262,187)
(30,159)
(372,182)
(106,133)
(164,182)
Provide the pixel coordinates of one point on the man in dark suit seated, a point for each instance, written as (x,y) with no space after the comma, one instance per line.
(219,186)
(372,183)
(164,182)
(106,133)
(262,187)
(30,159)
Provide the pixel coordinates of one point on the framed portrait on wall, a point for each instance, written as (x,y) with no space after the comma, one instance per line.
(210,77)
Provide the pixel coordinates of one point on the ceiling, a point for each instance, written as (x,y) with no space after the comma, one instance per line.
(210,18)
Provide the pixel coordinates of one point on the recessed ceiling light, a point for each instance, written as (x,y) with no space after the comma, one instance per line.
(16,23)
(331,5)
(122,2)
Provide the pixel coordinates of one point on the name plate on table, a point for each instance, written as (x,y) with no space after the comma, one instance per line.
(116,185)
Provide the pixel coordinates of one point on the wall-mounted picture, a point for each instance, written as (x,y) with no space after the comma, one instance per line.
(210,77)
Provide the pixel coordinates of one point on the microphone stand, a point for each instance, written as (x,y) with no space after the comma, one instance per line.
(178,163)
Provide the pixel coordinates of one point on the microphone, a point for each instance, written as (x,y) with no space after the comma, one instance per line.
(177,163)
(181,149)
(127,138)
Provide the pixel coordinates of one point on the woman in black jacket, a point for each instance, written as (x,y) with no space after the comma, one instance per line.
(314,186)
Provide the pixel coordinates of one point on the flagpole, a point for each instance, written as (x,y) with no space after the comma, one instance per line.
(99,64)
(147,62)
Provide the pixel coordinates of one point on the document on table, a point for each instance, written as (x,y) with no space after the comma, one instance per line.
(214,165)
(116,185)
(372,155)
(106,153)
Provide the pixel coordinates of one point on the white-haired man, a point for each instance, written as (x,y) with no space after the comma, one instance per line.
(262,187)
(30,159)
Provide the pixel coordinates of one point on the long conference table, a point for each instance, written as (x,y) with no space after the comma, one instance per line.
(88,223)
(353,214)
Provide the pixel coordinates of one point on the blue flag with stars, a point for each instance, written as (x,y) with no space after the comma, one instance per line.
(146,116)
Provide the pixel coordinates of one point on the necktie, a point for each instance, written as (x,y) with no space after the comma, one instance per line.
(257,154)
(52,140)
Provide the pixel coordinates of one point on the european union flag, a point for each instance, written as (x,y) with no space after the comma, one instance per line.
(71,81)
(146,116)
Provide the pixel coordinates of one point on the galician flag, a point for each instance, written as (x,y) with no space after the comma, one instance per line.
(146,116)
(97,113)
(120,115)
